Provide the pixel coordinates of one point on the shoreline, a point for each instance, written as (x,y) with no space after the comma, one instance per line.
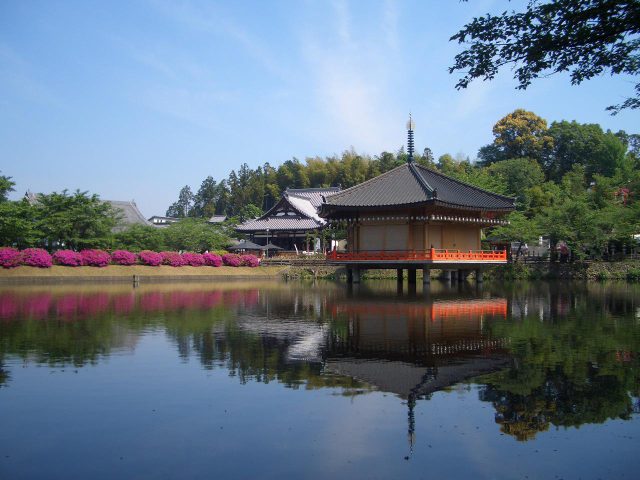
(142,273)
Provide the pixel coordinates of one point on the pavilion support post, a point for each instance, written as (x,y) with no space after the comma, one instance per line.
(356,275)
(461,275)
(426,275)
(446,275)
(411,274)
(349,275)
(400,275)
(479,276)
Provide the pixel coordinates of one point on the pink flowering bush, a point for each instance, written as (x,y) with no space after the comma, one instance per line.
(9,257)
(231,260)
(212,260)
(123,257)
(193,259)
(35,257)
(250,261)
(152,259)
(95,258)
(173,259)
(68,258)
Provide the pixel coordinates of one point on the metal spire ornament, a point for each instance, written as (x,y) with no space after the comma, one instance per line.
(411,125)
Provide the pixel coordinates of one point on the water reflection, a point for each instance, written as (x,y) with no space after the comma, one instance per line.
(542,354)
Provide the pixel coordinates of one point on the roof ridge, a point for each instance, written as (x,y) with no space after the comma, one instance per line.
(428,189)
(371,180)
(475,187)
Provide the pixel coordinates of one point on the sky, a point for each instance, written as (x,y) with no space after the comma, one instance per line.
(132,100)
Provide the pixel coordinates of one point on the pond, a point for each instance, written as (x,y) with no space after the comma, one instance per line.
(307,380)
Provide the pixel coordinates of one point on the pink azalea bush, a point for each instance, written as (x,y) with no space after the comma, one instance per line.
(123,257)
(173,259)
(212,260)
(152,259)
(9,257)
(95,258)
(68,258)
(231,260)
(36,257)
(193,259)
(250,261)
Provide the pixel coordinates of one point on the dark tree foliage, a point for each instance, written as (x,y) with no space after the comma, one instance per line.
(583,37)
(6,186)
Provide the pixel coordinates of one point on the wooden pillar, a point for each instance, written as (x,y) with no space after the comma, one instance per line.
(446,275)
(426,275)
(356,275)
(411,274)
(479,275)
(349,275)
(400,274)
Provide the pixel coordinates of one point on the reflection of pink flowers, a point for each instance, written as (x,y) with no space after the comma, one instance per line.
(95,258)
(151,302)
(9,257)
(212,259)
(152,259)
(68,258)
(124,303)
(231,260)
(123,257)
(173,259)
(193,259)
(8,305)
(67,306)
(35,257)
(250,261)
(37,306)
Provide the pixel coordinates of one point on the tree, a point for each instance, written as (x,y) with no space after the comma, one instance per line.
(19,224)
(6,186)
(140,237)
(520,134)
(181,208)
(204,203)
(195,235)
(519,175)
(583,144)
(583,37)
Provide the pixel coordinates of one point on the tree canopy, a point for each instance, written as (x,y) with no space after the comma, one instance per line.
(585,38)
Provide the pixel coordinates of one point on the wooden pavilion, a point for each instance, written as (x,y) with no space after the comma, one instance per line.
(414,217)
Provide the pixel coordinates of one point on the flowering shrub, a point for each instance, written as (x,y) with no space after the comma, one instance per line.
(9,257)
(193,259)
(123,257)
(250,261)
(35,257)
(152,259)
(172,258)
(68,258)
(212,260)
(231,260)
(95,258)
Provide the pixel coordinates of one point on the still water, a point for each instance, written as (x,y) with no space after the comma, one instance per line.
(301,380)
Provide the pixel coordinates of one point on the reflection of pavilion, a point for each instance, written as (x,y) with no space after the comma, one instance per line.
(414,349)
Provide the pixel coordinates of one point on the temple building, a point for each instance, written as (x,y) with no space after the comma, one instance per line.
(414,217)
(290,223)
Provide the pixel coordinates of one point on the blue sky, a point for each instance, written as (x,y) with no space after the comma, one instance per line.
(133,100)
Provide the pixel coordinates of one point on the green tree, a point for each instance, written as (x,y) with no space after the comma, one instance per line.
(77,220)
(519,176)
(19,224)
(182,207)
(520,134)
(6,186)
(583,37)
(195,235)
(140,237)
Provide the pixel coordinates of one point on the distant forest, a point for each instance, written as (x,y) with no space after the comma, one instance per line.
(572,181)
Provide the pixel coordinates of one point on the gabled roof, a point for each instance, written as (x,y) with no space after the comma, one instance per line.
(302,201)
(130,215)
(413,184)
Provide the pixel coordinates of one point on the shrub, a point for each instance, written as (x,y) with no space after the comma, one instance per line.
(193,259)
(250,261)
(95,258)
(231,260)
(220,253)
(633,274)
(35,257)
(123,257)
(152,259)
(68,258)
(212,260)
(9,257)
(173,259)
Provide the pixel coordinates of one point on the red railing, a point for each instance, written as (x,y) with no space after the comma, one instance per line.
(432,255)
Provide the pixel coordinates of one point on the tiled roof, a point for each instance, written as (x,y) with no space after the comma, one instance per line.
(314,195)
(279,223)
(130,215)
(412,184)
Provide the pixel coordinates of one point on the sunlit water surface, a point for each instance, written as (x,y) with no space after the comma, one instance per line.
(302,380)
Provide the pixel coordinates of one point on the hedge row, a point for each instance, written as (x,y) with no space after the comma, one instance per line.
(37,257)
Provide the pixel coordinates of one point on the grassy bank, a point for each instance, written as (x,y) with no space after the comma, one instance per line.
(626,270)
(119,273)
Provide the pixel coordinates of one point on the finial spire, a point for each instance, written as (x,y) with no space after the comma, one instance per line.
(410,126)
